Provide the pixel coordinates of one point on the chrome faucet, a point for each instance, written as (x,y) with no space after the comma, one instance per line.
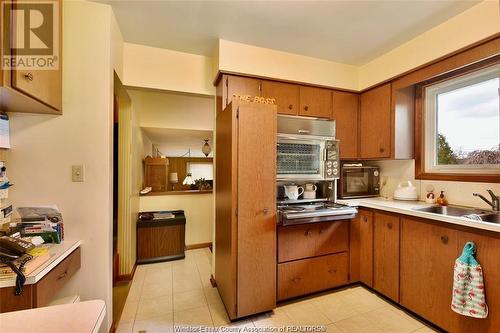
(495,200)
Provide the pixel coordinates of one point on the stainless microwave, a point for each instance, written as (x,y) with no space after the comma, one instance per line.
(359,181)
(306,150)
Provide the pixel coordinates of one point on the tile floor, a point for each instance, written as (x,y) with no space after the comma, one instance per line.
(179,293)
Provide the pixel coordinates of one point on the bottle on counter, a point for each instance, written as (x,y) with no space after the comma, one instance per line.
(441,200)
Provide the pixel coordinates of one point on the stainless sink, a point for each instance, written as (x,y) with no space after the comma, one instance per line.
(471,213)
(452,210)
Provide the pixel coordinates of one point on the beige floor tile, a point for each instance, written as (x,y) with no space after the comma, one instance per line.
(125,327)
(306,314)
(389,320)
(193,317)
(357,324)
(160,324)
(275,318)
(425,330)
(129,312)
(363,300)
(189,299)
(154,307)
(187,282)
(159,275)
(134,293)
(333,329)
(212,295)
(219,314)
(408,316)
(153,290)
(335,308)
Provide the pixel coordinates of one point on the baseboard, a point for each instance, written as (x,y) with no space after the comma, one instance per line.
(127,277)
(199,246)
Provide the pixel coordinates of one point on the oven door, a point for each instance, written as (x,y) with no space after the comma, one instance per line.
(300,158)
(358,182)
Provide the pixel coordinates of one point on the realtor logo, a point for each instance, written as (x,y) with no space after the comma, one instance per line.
(33,41)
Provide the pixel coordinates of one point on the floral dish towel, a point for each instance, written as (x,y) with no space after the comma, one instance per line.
(468,285)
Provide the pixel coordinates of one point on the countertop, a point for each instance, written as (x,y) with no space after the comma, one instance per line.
(82,317)
(58,252)
(407,208)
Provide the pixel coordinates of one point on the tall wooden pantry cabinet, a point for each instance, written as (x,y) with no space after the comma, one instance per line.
(245,199)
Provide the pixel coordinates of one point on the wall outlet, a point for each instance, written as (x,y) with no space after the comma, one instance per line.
(77,172)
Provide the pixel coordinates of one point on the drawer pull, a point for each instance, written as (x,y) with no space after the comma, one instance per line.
(306,108)
(296,279)
(365,219)
(444,239)
(389,225)
(308,232)
(290,107)
(62,276)
(332,271)
(321,231)
(29,76)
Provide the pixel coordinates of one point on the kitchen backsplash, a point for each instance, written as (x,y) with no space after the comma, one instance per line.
(457,193)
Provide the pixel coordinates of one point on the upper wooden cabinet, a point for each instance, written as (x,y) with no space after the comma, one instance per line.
(286,95)
(32,90)
(241,86)
(375,123)
(345,113)
(315,102)
(386,255)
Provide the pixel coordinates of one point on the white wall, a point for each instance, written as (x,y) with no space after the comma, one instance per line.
(253,60)
(457,193)
(198,209)
(44,147)
(155,68)
(476,23)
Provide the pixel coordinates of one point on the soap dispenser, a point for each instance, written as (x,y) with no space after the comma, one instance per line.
(441,200)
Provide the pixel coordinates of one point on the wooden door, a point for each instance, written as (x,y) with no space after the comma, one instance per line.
(487,254)
(241,86)
(376,123)
(256,208)
(43,85)
(366,247)
(386,255)
(315,102)
(345,114)
(428,253)
(286,95)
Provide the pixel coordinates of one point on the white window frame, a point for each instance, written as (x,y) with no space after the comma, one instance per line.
(430,114)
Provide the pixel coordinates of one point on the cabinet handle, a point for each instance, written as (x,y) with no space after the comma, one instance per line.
(296,279)
(265,211)
(365,219)
(290,106)
(321,231)
(308,232)
(332,271)
(29,76)
(444,239)
(62,275)
(389,225)
(381,150)
(306,108)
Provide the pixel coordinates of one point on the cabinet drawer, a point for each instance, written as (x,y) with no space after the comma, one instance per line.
(51,283)
(310,240)
(306,276)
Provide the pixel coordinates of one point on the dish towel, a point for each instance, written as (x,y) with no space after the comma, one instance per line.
(468,285)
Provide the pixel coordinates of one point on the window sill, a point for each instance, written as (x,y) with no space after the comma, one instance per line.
(462,177)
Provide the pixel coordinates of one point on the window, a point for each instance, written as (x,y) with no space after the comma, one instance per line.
(201,170)
(462,124)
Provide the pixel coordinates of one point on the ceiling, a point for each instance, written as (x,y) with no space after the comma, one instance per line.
(350,32)
(176,142)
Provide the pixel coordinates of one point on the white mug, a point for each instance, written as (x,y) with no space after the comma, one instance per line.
(310,187)
(293,191)
(309,195)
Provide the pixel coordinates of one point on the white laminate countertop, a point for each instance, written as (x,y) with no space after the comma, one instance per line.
(407,208)
(58,252)
(81,317)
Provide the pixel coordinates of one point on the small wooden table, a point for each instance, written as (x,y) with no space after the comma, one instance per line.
(161,240)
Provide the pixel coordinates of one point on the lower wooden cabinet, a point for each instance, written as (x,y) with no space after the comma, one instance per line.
(361,248)
(310,240)
(306,276)
(386,254)
(428,253)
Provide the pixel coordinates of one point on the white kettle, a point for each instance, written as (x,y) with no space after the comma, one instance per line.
(406,191)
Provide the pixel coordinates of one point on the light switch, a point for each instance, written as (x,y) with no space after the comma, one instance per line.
(77,173)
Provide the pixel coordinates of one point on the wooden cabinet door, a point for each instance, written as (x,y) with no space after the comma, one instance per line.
(375,123)
(386,255)
(366,247)
(256,239)
(428,253)
(345,114)
(241,86)
(487,254)
(332,237)
(315,102)
(43,85)
(286,95)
